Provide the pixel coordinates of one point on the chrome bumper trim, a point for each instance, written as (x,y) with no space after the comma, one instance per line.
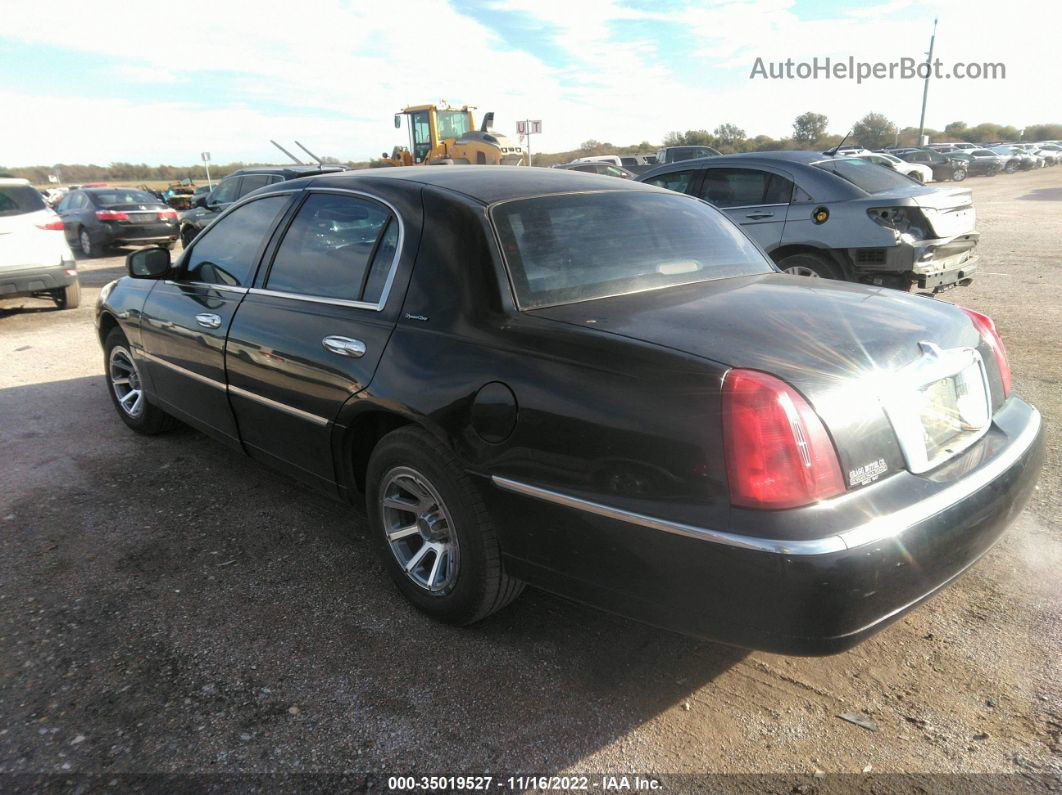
(873,531)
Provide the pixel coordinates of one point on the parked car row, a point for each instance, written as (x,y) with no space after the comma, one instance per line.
(602,387)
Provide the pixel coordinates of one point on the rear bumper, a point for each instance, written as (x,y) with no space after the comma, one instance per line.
(146,235)
(925,264)
(36,279)
(816,596)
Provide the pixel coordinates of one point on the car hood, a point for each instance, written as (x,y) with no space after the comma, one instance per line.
(835,342)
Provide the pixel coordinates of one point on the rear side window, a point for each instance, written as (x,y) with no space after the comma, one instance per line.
(327,249)
(227,253)
(678,181)
(744,187)
(576,247)
(254,182)
(20,199)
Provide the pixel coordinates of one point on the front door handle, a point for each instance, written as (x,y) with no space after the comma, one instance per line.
(344,346)
(758,216)
(207,320)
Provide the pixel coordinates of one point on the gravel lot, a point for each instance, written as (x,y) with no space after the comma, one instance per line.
(168,606)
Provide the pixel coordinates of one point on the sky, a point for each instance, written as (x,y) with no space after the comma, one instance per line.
(162,83)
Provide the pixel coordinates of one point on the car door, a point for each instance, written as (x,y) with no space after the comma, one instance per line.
(185,319)
(69,210)
(311,335)
(755,198)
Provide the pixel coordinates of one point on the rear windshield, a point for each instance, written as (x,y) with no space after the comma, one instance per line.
(577,247)
(19,199)
(113,198)
(866,175)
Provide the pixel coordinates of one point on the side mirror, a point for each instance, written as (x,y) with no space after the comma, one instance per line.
(148,263)
(398,121)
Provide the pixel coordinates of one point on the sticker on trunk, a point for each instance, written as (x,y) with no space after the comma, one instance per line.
(868,473)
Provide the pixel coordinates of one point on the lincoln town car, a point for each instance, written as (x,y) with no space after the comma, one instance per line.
(600,388)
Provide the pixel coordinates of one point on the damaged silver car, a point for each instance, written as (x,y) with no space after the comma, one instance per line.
(838,217)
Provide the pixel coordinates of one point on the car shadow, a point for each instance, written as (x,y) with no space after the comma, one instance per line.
(1043,195)
(215,616)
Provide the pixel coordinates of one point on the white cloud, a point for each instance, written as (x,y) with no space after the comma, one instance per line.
(362,62)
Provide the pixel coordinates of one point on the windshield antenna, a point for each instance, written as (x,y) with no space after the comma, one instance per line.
(833,151)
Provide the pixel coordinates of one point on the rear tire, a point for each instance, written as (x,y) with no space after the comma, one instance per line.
(418,495)
(126,389)
(811,265)
(68,297)
(88,248)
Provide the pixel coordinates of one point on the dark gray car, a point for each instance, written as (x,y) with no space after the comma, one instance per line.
(838,217)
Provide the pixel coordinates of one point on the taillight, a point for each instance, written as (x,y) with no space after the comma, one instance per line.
(778,454)
(987,329)
(167,215)
(111,215)
(52,226)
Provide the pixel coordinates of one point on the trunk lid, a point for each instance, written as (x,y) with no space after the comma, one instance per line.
(838,344)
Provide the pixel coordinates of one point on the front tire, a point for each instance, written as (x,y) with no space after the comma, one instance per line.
(126,388)
(68,297)
(433,531)
(809,265)
(959,174)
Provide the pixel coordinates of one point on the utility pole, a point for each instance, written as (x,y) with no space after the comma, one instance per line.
(925,88)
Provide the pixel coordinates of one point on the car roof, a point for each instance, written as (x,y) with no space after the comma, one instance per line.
(484,184)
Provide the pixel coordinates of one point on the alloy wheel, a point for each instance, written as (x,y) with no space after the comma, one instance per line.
(419,530)
(125,381)
(802,270)
(86,243)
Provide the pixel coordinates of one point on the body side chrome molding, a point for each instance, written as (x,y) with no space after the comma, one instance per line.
(316,299)
(235,390)
(873,531)
(305,415)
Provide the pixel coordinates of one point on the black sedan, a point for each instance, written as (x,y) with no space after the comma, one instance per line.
(944,167)
(591,385)
(96,219)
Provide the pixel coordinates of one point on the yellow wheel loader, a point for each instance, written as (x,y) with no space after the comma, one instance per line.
(440,135)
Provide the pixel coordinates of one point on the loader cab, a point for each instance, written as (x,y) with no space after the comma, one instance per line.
(428,126)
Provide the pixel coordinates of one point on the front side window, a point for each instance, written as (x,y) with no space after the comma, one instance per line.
(227,253)
(327,249)
(744,187)
(678,181)
(577,247)
(225,193)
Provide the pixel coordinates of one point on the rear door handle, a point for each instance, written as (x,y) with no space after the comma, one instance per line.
(758,216)
(344,346)
(206,320)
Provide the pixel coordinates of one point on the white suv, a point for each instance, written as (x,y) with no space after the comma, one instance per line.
(34,256)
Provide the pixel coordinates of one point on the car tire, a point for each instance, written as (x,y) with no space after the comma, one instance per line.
(433,531)
(84,240)
(68,297)
(918,177)
(139,414)
(958,175)
(811,265)
(1010,168)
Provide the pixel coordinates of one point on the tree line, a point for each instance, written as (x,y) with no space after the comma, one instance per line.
(873,131)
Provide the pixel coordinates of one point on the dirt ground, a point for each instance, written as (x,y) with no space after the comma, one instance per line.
(169,606)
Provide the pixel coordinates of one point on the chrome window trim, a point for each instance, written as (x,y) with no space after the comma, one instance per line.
(316,299)
(275,404)
(870,532)
(391,273)
(223,287)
